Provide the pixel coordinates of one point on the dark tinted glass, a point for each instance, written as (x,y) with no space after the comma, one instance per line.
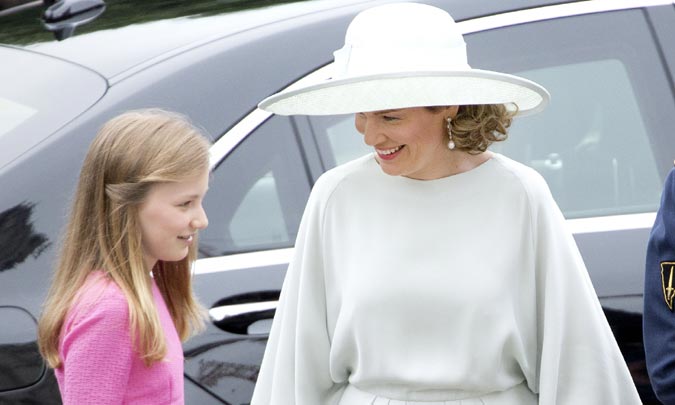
(257,194)
(598,143)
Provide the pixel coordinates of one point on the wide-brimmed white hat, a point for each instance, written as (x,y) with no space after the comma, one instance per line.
(405,55)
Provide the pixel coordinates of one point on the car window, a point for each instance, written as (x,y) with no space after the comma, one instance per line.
(596,143)
(599,143)
(337,138)
(593,148)
(257,194)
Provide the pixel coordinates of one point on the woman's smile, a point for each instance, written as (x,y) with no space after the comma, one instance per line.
(389,154)
(409,142)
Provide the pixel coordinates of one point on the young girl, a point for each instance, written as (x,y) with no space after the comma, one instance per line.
(121,300)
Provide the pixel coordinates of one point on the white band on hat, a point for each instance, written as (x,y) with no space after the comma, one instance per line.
(351,61)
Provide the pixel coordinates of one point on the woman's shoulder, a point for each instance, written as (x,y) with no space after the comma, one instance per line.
(520,179)
(332,178)
(526,177)
(351,168)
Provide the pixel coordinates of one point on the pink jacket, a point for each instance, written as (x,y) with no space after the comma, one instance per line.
(100,366)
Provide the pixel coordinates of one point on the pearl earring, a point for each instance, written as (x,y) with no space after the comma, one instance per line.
(451,144)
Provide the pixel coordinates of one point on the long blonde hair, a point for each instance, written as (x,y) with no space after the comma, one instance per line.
(131,152)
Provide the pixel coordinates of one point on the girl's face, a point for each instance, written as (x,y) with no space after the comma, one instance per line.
(409,142)
(170,217)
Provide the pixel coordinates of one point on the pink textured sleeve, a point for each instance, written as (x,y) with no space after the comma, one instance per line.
(97,353)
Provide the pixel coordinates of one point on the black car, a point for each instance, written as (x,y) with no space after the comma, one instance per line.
(604,145)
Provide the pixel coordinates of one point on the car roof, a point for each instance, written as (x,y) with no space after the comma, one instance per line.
(118,44)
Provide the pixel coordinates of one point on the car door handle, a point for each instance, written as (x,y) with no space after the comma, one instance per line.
(246,314)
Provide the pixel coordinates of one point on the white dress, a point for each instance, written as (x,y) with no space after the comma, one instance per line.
(462,290)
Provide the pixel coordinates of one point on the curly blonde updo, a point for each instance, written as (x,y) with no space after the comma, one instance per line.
(475,127)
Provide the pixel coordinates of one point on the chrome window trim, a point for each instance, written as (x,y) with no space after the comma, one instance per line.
(241,261)
(554,11)
(644,220)
(255,118)
(283,256)
(230,139)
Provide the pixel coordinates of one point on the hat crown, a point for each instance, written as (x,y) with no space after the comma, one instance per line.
(404,25)
(401,37)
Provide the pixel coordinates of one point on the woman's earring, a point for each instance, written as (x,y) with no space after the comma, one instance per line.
(451,144)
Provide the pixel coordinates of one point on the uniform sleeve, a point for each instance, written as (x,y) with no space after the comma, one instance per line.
(97,354)
(295,367)
(659,318)
(579,360)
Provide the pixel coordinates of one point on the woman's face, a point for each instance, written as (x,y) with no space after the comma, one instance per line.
(170,217)
(409,142)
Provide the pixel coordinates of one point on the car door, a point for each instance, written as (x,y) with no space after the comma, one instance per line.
(604,143)
(256,196)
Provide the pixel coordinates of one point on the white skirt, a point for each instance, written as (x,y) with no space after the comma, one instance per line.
(518,395)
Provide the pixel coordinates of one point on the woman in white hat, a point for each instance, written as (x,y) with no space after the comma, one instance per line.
(432,271)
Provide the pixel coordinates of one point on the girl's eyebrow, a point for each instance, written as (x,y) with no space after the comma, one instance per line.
(193,196)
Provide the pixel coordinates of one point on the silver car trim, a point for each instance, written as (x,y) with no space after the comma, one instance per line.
(554,11)
(226,144)
(283,256)
(232,137)
(243,261)
(611,223)
(228,311)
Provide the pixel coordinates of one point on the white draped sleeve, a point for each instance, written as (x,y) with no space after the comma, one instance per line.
(295,368)
(579,359)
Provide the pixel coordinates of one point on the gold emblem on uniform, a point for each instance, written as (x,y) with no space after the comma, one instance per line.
(667,282)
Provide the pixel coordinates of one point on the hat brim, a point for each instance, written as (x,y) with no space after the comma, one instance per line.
(409,89)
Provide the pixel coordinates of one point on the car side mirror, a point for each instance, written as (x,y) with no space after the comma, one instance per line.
(62,16)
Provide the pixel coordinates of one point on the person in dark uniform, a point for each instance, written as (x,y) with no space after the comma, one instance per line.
(659,305)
